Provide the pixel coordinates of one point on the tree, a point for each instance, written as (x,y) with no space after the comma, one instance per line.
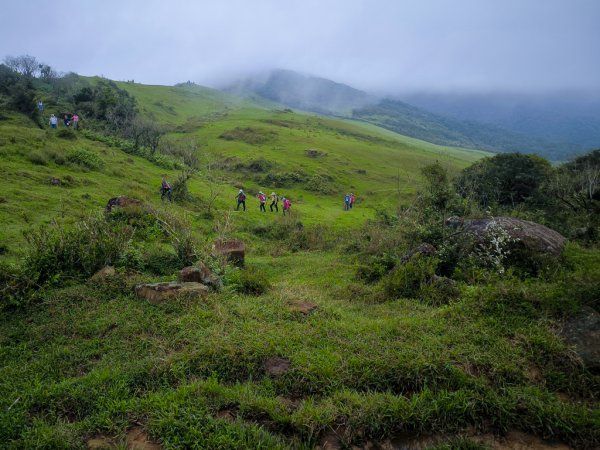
(26,65)
(506,179)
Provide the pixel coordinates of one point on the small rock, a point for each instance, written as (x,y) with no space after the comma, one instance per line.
(303,307)
(201,274)
(137,439)
(122,201)
(234,250)
(55,181)
(105,272)
(423,249)
(583,332)
(276,365)
(160,292)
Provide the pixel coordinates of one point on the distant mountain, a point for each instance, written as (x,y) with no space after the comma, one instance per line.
(412,121)
(482,122)
(571,120)
(305,92)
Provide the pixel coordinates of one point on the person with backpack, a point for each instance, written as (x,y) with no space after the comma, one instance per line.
(274,202)
(352,200)
(66,121)
(53,121)
(286,205)
(241,200)
(262,198)
(165,189)
(346,202)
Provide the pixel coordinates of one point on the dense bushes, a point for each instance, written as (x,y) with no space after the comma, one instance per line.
(74,250)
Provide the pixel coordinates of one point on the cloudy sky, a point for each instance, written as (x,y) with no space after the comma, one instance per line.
(379,45)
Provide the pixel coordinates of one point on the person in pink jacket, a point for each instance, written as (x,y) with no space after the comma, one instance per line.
(286,205)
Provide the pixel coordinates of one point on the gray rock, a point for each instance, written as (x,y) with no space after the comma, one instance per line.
(160,292)
(583,332)
(201,274)
(531,235)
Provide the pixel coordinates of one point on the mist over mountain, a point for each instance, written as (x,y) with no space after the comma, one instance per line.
(304,92)
(556,126)
(568,119)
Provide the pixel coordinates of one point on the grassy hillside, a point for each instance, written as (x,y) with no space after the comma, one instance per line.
(86,364)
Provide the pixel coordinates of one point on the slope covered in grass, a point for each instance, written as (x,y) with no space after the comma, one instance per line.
(86,364)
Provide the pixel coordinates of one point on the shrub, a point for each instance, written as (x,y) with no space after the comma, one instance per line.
(15,285)
(85,158)
(376,267)
(160,261)
(37,158)
(66,133)
(250,280)
(74,250)
(406,280)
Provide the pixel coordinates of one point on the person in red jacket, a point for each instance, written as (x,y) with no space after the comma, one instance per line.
(262,198)
(286,205)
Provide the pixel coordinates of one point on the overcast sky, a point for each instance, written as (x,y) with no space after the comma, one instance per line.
(378,45)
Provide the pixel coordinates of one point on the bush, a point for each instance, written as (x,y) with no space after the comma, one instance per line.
(85,158)
(252,281)
(406,280)
(15,285)
(74,250)
(66,133)
(376,267)
(37,158)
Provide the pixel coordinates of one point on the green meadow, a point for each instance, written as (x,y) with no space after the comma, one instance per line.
(86,364)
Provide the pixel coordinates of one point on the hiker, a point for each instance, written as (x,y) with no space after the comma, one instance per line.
(41,106)
(352,200)
(66,121)
(286,205)
(241,200)
(263,200)
(75,122)
(274,202)
(53,121)
(346,202)
(165,189)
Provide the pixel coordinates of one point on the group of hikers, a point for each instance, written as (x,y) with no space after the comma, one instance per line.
(165,191)
(262,199)
(69,120)
(349,200)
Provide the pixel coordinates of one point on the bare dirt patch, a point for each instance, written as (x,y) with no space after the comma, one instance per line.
(276,365)
(302,307)
(137,439)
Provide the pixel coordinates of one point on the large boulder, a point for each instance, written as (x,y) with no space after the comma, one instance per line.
(104,273)
(234,250)
(160,292)
(201,274)
(122,201)
(530,235)
(423,249)
(583,332)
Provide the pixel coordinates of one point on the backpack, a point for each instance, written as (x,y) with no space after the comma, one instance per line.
(241,198)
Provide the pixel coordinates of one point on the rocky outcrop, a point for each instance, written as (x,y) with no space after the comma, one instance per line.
(423,249)
(234,250)
(122,201)
(160,292)
(200,273)
(105,272)
(583,332)
(531,235)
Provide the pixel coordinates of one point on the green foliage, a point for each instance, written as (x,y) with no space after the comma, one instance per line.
(86,159)
(77,250)
(249,135)
(284,179)
(38,158)
(66,133)
(505,179)
(249,280)
(408,279)
(376,267)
